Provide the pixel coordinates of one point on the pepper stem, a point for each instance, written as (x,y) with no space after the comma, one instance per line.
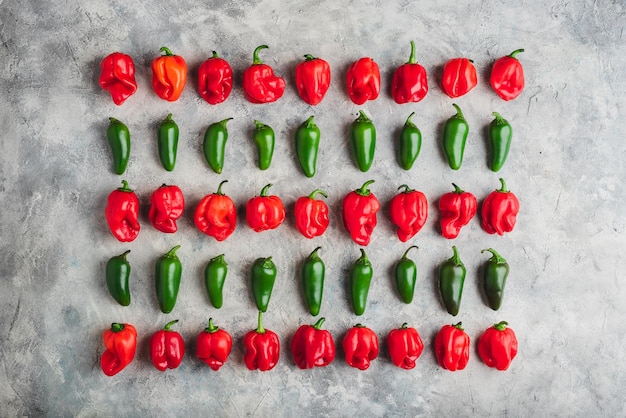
(224,121)
(514,53)
(255,55)
(259,328)
(314,253)
(218,259)
(501,326)
(117,327)
(215,54)
(172,252)
(364,191)
(123,255)
(404,326)
(502,189)
(458,326)
(409,249)
(319,323)
(167,51)
(407,189)
(316,192)
(309,123)
(219,188)
(363,259)
(169,325)
(457,189)
(124,187)
(499,118)
(363,117)
(211,328)
(264,189)
(409,122)
(459,112)
(412,57)
(168,118)
(259,125)
(496,258)
(455,256)
(309,57)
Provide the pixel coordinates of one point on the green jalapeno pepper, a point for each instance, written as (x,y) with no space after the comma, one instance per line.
(455,132)
(406,275)
(214,277)
(500,135)
(214,145)
(118,136)
(167,142)
(410,144)
(307,146)
(167,279)
(117,273)
(495,272)
(313,271)
(264,141)
(363,141)
(263,278)
(451,279)
(360,279)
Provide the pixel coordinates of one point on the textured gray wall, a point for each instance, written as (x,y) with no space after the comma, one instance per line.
(565,298)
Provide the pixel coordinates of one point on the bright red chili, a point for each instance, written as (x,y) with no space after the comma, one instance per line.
(499,211)
(121,343)
(507,76)
(361,346)
(497,346)
(215,79)
(456,208)
(262,348)
(363,80)
(216,215)
(459,77)
(312,346)
(265,212)
(452,346)
(122,213)
(311,214)
(166,207)
(167,348)
(117,76)
(410,83)
(169,75)
(260,84)
(405,346)
(409,211)
(312,79)
(360,207)
(214,346)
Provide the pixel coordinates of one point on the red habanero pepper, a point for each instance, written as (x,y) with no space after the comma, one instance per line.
(265,212)
(409,83)
(166,207)
(169,75)
(409,211)
(215,79)
(361,346)
(122,213)
(452,346)
(312,79)
(312,346)
(497,346)
(499,211)
(260,84)
(360,207)
(507,76)
(216,215)
(214,346)
(363,80)
(405,346)
(311,214)
(167,348)
(121,343)
(262,348)
(117,76)
(459,77)
(457,208)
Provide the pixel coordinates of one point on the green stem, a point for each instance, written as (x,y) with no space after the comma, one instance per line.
(497,258)
(409,249)
(503,189)
(501,326)
(211,328)
(319,323)
(455,256)
(409,122)
(407,189)
(172,253)
(412,57)
(316,192)
(117,327)
(404,326)
(458,326)
(363,117)
(124,187)
(215,54)
(169,325)
(255,55)
(264,189)
(219,188)
(514,53)
(364,191)
(457,189)
(459,112)
(166,50)
(259,328)
(313,254)
(309,57)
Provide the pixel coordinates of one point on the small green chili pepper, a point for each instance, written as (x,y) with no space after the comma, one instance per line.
(167,279)
(263,278)
(119,141)
(307,146)
(214,277)
(410,144)
(167,142)
(451,279)
(313,271)
(500,135)
(360,278)
(406,275)
(495,272)
(455,132)
(214,145)
(264,141)
(363,141)
(117,273)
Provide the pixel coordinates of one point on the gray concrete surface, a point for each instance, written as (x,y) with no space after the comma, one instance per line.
(565,297)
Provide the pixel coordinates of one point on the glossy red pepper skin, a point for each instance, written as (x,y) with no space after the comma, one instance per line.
(459,77)
(360,344)
(497,346)
(169,75)
(265,212)
(215,79)
(457,208)
(312,346)
(405,346)
(260,84)
(166,207)
(410,83)
(408,211)
(452,347)
(121,344)
(363,80)
(507,76)
(262,348)
(311,215)
(312,79)
(213,346)
(167,348)
(499,211)
(360,208)
(122,213)
(117,76)
(216,215)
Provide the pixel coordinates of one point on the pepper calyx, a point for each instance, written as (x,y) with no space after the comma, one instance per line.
(169,325)
(167,51)
(318,324)
(255,54)
(501,326)
(363,190)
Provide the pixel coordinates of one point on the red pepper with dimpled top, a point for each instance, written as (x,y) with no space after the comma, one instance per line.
(409,83)
(360,208)
(265,212)
(312,79)
(405,346)
(122,213)
(169,75)
(117,76)
(214,346)
(262,348)
(216,215)
(360,345)
(121,344)
(459,77)
(215,79)
(167,348)
(260,84)
(363,80)
(452,347)
(457,208)
(507,76)
(409,211)
(311,214)
(166,207)
(499,211)
(312,346)
(497,346)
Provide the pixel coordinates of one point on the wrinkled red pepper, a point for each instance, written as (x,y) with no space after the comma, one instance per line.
(215,79)
(312,346)
(167,348)
(457,208)
(409,211)
(311,214)
(214,346)
(121,343)
(216,215)
(410,83)
(361,346)
(360,207)
(166,207)
(363,80)
(499,211)
(312,79)
(459,77)
(262,348)
(117,76)
(452,346)
(122,213)
(405,346)
(260,84)
(507,76)
(497,346)
(265,212)
(169,75)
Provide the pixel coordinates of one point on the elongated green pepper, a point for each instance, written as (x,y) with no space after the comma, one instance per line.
(455,132)
(451,279)
(406,276)
(214,277)
(495,272)
(409,144)
(117,273)
(307,146)
(264,140)
(214,145)
(167,142)
(167,279)
(500,135)
(313,271)
(118,136)
(363,141)
(263,278)
(361,274)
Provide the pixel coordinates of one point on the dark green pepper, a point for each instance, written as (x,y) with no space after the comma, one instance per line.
(214,145)
(361,274)
(495,272)
(119,141)
(167,142)
(263,278)
(167,279)
(406,276)
(117,273)
(363,141)
(451,279)
(455,132)
(500,135)
(264,141)
(214,277)
(307,146)
(410,144)
(313,271)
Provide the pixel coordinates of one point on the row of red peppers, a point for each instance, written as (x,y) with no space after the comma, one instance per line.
(312,76)
(311,346)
